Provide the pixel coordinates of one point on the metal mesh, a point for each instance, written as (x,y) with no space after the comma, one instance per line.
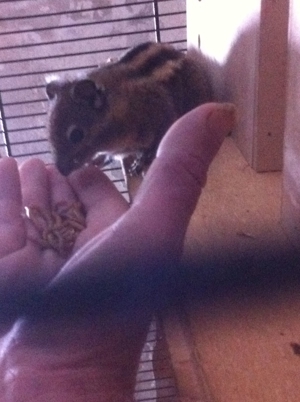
(41,37)
(155,379)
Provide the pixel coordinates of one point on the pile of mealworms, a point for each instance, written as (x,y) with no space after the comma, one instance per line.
(58,228)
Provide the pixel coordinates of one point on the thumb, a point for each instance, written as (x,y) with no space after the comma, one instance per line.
(173,183)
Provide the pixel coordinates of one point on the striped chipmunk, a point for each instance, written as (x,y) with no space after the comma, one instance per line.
(124,107)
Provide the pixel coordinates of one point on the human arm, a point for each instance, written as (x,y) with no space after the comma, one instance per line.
(89,351)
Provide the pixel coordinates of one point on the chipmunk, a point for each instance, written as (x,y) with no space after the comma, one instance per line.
(124,107)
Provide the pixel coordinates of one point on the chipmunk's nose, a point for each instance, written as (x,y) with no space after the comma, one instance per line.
(65,166)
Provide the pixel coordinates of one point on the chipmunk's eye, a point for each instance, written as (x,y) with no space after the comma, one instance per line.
(75,135)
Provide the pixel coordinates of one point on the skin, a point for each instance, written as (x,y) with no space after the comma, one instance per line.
(78,348)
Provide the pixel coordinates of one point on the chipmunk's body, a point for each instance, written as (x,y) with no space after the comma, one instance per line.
(124,107)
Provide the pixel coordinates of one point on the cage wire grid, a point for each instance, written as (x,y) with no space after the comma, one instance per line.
(40,38)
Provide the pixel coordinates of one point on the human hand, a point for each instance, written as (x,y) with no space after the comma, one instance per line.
(90,352)
(24,264)
(155,225)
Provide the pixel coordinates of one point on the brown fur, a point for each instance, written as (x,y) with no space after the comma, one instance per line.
(138,107)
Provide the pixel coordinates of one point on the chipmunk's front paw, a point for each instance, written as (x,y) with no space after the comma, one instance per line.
(136,168)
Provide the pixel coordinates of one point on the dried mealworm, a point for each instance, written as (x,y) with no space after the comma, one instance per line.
(59,228)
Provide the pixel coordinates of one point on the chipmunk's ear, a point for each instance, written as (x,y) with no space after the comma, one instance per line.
(52,88)
(86,92)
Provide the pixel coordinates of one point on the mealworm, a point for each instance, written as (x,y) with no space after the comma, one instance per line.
(58,229)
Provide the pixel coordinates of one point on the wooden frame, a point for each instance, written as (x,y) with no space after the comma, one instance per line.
(253,36)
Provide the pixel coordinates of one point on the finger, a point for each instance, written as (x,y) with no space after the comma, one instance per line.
(12,231)
(60,188)
(103,202)
(35,184)
(104,205)
(37,198)
(10,194)
(174,181)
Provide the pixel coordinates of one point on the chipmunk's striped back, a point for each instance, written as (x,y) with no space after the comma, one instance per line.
(147,58)
(185,80)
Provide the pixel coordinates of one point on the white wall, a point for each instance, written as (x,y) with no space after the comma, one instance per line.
(249,39)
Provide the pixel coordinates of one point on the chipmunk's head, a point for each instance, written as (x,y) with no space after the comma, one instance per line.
(77,122)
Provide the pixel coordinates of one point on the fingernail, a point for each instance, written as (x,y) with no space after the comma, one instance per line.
(223,119)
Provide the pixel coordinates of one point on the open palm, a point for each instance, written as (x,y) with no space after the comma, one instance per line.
(24,264)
